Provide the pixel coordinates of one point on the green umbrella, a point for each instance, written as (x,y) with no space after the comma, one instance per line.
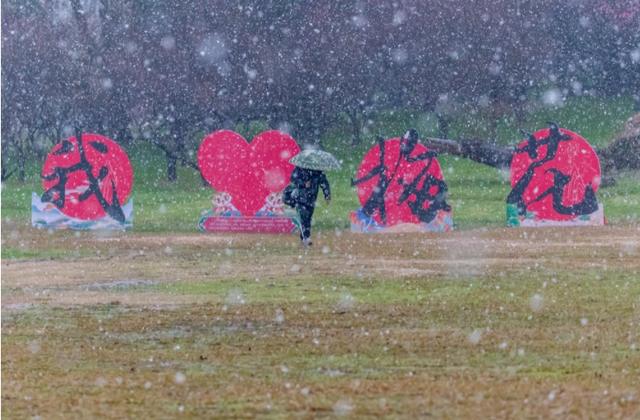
(315,159)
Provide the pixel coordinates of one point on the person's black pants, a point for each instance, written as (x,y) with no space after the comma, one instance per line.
(306,213)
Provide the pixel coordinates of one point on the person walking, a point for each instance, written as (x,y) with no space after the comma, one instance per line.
(307,182)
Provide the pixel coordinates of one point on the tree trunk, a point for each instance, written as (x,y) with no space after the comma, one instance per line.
(21,158)
(172,168)
(355,127)
(443,126)
(124,136)
(22,176)
(205,183)
(480,151)
(622,154)
(6,174)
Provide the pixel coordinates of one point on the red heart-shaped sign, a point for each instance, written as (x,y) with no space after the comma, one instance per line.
(248,172)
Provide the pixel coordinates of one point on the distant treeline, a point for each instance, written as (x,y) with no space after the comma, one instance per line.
(166,71)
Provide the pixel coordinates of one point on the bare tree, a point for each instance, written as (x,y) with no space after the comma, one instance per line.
(175,71)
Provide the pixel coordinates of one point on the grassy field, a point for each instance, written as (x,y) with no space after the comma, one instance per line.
(486,321)
(507,323)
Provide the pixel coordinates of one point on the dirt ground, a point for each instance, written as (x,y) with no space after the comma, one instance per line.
(486,323)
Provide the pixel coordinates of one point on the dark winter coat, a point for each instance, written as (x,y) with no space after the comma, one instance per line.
(307,182)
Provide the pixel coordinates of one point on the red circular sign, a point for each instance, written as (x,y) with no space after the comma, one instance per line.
(88,180)
(393,189)
(554,175)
